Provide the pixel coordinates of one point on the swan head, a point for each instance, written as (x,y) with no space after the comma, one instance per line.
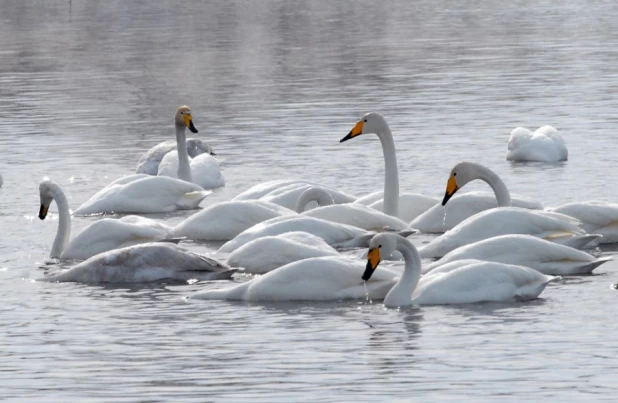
(47,190)
(183,118)
(382,244)
(371,122)
(460,175)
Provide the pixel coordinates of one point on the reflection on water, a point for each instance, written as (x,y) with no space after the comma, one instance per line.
(87,87)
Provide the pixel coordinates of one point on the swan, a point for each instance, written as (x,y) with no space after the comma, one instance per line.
(270,252)
(150,160)
(144,263)
(286,193)
(501,220)
(203,170)
(439,218)
(223,221)
(544,145)
(596,216)
(100,236)
(525,250)
(405,206)
(357,215)
(477,281)
(141,193)
(315,279)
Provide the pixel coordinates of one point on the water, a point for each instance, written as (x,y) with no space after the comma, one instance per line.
(86,87)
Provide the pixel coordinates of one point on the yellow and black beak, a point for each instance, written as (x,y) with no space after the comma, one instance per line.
(356,130)
(373,260)
(451,189)
(43,212)
(189,122)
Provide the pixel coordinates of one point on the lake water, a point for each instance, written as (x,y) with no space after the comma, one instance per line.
(86,87)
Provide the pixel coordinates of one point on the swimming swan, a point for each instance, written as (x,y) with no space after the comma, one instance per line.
(544,145)
(405,206)
(150,160)
(315,279)
(525,250)
(354,214)
(475,282)
(597,217)
(144,263)
(501,220)
(141,193)
(100,236)
(270,252)
(223,221)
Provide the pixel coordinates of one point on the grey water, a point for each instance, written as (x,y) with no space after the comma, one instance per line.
(86,87)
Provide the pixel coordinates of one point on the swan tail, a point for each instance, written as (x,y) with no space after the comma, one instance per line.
(217,275)
(191,200)
(172,240)
(584,241)
(587,269)
(407,232)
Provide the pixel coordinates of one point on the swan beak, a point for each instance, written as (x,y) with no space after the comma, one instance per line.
(189,122)
(373,260)
(451,188)
(356,130)
(43,212)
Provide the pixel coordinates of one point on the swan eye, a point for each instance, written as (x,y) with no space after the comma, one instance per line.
(379,246)
(454,173)
(365,120)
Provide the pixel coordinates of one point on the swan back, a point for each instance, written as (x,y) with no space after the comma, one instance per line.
(314,193)
(544,145)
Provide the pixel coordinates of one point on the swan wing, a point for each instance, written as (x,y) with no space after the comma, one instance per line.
(357,215)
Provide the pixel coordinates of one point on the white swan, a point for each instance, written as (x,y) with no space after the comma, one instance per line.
(357,215)
(100,236)
(544,145)
(596,216)
(144,263)
(501,220)
(475,282)
(287,195)
(270,252)
(404,206)
(439,218)
(223,221)
(141,193)
(150,160)
(315,279)
(525,250)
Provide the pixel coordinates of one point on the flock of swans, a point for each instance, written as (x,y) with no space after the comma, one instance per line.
(492,246)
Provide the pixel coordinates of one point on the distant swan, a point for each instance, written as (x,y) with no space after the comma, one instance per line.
(144,263)
(100,236)
(501,220)
(406,206)
(525,250)
(150,160)
(475,282)
(544,145)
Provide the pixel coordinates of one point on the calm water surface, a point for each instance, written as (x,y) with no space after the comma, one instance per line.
(86,87)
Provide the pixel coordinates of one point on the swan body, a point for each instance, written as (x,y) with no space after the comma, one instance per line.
(461,284)
(223,221)
(391,203)
(439,219)
(287,196)
(356,215)
(525,250)
(144,263)
(332,233)
(150,160)
(544,145)
(411,205)
(100,236)
(597,217)
(270,252)
(314,279)
(144,194)
(263,189)
(205,170)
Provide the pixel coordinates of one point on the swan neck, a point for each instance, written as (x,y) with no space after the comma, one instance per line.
(184,167)
(497,185)
(63,233)
(391,174)
(319,195)
(401,293)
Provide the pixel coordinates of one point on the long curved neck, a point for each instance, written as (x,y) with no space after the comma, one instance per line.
(184,168)
(498,186)
(401,293)
(64,224)
(391,174)
(321,196)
